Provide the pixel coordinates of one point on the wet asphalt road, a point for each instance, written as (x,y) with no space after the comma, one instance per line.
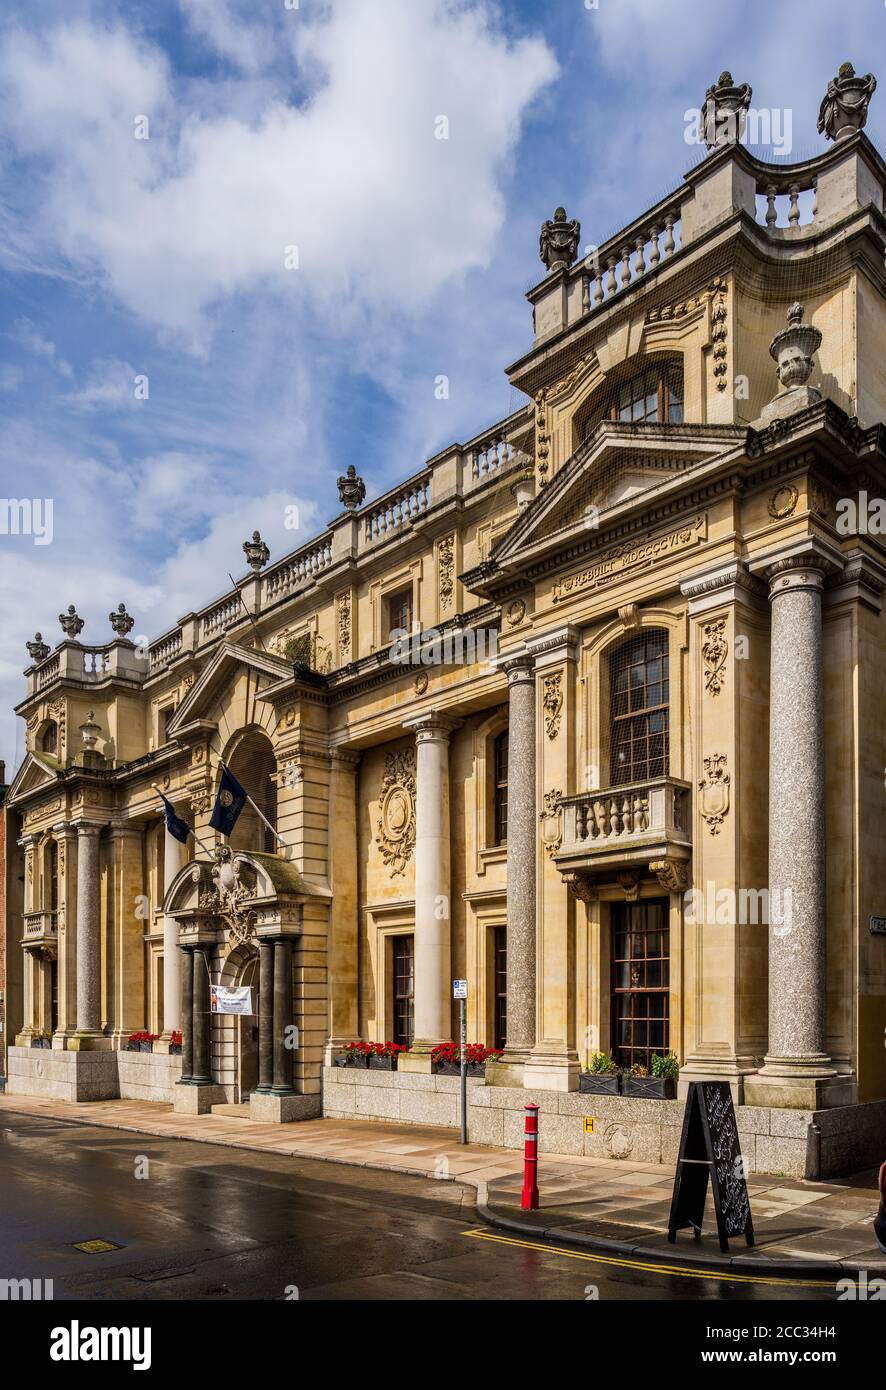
(208,1222)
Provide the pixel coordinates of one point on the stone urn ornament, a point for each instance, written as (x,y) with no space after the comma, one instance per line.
(38,650)
(72,625)
(725,111)
(89,731)
(351,488)
(844,107)
(793,349)
(558,242)
(256,552)
(121,621)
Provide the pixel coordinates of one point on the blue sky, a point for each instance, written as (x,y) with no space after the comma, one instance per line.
(271,127)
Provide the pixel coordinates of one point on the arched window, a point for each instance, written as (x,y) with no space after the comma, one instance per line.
(654,394)
(254,765)
(500,788)
(639,691)
(49,738)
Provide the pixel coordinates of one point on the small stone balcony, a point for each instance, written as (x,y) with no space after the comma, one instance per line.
(41,930)
(629,828)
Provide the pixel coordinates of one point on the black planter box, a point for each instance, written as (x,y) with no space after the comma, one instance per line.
(357,1059)
(382,1063)
(146,1047)
(650,1087)
(603,1083)
(175,1049)
(40,1042)
(454,1069)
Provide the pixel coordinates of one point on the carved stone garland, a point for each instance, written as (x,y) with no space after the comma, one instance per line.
(343,602)
(395,834)
(552,703)
(446,572)
(714,651)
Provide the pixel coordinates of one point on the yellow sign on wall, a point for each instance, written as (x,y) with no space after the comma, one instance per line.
(590,1124)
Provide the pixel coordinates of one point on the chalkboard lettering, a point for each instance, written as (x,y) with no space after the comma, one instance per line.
(710,1148)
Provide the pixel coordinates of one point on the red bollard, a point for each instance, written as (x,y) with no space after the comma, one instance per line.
(529,1197)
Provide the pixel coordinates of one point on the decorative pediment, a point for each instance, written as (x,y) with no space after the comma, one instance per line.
(38,771)
(618,463)
(202,699)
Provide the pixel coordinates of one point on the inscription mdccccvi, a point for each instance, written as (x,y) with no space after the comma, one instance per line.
(634,555)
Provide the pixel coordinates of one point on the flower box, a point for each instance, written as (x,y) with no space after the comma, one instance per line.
(175,1049)
(41,1042)
(454,1069)
(377,1063)
(355,1059)
(650,1087)
(603,1083)
(146,1047)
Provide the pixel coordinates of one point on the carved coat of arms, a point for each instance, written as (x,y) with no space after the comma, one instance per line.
(714,792)
(396,823)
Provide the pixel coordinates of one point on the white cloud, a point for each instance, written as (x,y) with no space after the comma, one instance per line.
(382,213)
(33,341)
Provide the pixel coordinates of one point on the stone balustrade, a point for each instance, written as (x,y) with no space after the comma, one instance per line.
(397,509)
(298,569)
(619,818)
(40,927)
(166,649)
(631,254)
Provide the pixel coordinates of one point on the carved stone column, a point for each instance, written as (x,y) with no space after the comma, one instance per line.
(201,1018)
(175,856)
(798,1073)
(89,1030)
(523,834)
(433,1009)
(265,1016)
(186,972)
(282,1048)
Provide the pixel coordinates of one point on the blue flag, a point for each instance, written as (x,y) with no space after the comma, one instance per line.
(228,804)
(179,829)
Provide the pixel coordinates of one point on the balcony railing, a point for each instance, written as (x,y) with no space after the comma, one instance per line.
(615,820)
(41,926)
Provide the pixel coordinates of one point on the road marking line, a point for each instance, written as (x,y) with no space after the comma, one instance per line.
(680,1271)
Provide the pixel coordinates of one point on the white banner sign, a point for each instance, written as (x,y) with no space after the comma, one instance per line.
(223,1000)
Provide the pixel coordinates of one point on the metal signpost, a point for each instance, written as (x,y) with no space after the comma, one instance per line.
(460,992)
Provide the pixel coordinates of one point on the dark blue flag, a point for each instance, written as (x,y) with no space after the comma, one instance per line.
(178,828)
(228,804)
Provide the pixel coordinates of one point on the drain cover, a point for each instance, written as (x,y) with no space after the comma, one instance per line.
(96,1247)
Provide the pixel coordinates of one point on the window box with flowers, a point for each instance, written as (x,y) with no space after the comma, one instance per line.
(661,1085)
(446,1058)
(383,1056)
(41,1040)
(602,1077)
(141,1042)
(354,1054)
(175,1043)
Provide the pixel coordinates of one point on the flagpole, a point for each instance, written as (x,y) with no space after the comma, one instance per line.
(190,827)
(259,813)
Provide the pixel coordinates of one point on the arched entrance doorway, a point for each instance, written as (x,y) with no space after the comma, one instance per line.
(240,1032)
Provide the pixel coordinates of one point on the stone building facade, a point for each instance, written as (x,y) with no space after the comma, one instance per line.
(587,712)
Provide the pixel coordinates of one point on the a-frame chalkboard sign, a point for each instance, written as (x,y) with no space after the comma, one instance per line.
(709,1147)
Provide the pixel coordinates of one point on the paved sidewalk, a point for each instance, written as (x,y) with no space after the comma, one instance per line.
(606,1204)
